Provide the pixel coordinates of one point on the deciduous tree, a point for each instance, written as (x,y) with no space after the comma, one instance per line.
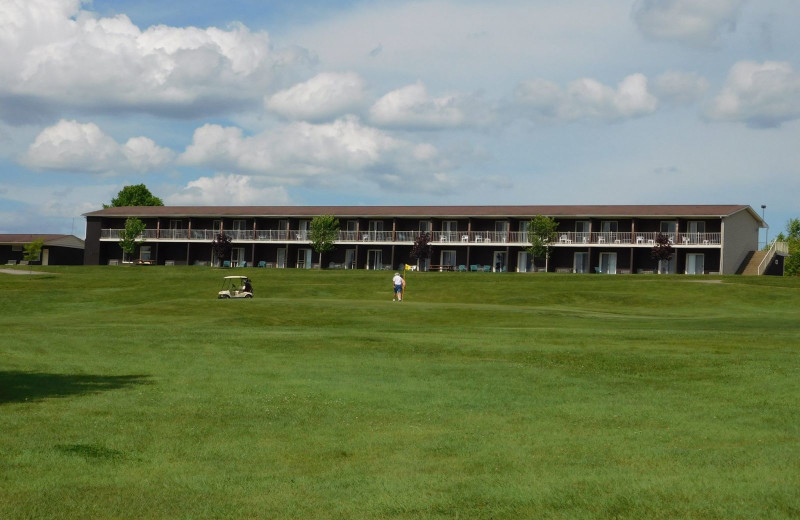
(421,249)
(221,247)
(662,251)
(134,195)
(542,234)
(131,236)
(323,232)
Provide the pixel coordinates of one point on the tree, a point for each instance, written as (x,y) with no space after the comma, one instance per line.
(662,251)
(131,236)
(33,251)
(135,195)
(323,232)
(542,234)
(221,247)
(791,266)
(421,249)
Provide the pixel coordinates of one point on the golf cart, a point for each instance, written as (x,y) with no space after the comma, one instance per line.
(234,287)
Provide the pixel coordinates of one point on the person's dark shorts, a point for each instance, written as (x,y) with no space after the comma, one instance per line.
(398,288)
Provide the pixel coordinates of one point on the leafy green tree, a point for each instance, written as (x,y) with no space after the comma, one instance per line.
(791,266)
(323,232)
(542,234)
(33,251)
(131,236)
(134,195)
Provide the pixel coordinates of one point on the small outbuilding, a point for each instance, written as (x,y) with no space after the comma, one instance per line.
(57,249)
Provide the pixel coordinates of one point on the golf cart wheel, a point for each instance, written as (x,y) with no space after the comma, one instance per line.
(223,296)
(248,295)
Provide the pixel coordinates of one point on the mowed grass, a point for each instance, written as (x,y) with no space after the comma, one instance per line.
(132,392)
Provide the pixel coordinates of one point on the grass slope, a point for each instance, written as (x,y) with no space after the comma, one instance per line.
(133,393)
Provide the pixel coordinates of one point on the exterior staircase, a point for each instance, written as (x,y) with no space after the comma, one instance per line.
(751,262)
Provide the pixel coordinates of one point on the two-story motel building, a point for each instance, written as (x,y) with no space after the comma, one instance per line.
(590,239)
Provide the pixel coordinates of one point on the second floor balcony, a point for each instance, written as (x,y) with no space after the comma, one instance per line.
(440,238)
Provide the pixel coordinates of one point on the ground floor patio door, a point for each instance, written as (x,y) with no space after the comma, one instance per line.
(237,255)
(608,263)
(522,262)
(304,258)
(281,260)
(350,259)
(695,263)
(375,259)
(581,264)
(448,258)
(45,257)
(668,266)
(500,262)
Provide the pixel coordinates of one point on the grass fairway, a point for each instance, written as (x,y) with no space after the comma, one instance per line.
(132,392)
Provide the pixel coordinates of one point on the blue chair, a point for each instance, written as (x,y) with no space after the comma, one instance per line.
(462,268)
(473,267)
(262,263)
(226,263)
(243,263)
(487,268)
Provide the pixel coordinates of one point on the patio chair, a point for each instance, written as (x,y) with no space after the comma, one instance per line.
(226,263)
(465,238)
(487,268)
(597,270)
(473,267)
(262,263)
(243,263)
(462,268)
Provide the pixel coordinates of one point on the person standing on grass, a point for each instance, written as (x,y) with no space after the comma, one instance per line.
(398,284)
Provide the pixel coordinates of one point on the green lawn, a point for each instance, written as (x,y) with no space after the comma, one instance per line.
(131,392)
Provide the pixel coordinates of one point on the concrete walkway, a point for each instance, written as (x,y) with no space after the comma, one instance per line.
(17,271)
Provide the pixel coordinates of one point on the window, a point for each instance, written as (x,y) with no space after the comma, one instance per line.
(669,226)
(582,228)
(352,226)
(216,226)
(176,224)
(696,226)
(425,226)
(608,263)
(144,253)
(608,226)
(16,248)
(239,225)
(695,263)
(581,263)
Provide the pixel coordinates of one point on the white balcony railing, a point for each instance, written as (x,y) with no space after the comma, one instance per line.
(563,238)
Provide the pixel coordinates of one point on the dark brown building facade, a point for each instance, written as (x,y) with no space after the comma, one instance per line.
(613,239)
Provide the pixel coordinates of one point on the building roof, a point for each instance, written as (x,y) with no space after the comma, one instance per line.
(619,211)
(48,239)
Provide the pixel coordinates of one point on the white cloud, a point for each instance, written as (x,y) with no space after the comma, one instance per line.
(83,147)
(55,52)
(300,151)
(695,22)
(759,94)
(680,88)
(412,107)
(228,190)
(324,96)
(585,98)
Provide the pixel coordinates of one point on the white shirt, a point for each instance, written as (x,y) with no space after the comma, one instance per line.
(397,280)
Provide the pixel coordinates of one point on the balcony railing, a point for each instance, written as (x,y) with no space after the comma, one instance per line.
(565,238)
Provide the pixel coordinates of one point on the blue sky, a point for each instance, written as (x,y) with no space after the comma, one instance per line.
(402,102)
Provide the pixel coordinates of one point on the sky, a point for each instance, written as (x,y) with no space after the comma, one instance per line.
(437,102)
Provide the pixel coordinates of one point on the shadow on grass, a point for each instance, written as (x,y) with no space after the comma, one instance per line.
(20,387)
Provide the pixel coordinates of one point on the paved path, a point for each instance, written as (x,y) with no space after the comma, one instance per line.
(17,271)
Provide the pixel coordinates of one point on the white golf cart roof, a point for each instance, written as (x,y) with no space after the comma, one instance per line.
(235,277)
